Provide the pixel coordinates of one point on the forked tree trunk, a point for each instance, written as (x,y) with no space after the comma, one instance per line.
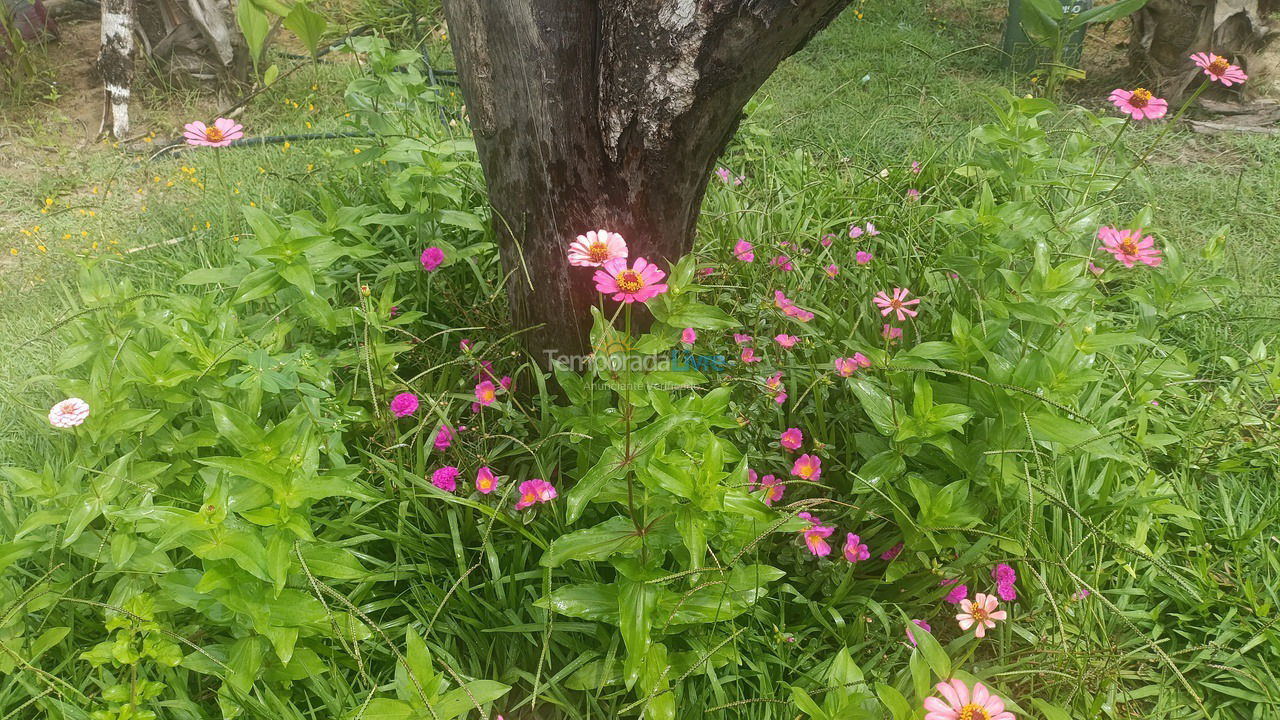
(607,114)
(1165,32)
(115,65)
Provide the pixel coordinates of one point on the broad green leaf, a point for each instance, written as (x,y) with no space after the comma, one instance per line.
(606,469)
(613,536)
(307,24)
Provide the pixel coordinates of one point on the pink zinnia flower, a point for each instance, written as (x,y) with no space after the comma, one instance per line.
(815,539)
(855,549)
(828,239)
(891,333)
(534,492)
(220,134)
(920,624)
(980,614)
(855,231)
(749,355)
(898,303)
(485,481)
(444,438)
(892,552)
(962,705)
(635,284)
(783,262)
(688,336)
(431,258)
(744,251)
(1219,68)
(1005,578)
(404,404)
(486,393)
(446,478)
(741,339)
(69,413)
(1127,248)
(505,382)
(596,248)
(773,487)
(785,340)
(862,257)
(807,467)
(833,270)
(1139,103)
(791,439)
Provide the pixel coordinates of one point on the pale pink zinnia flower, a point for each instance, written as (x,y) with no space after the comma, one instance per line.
(597,247)
(871,230)
(485,481)
(862,257)
(431,258)
(913,195)
(1219,68)
(635,284)
(915,167)
(744,251)
(785,340)
(69,413)
(815,539)
(891,333)
(688,336)
(534,492)
(1139,103)
(960,704)
(807,467)
(855,549)
(486,393)
(404,404)
(898,303)
(220,134)
(791,439)
(446,478)
(980,614)
(1129,247)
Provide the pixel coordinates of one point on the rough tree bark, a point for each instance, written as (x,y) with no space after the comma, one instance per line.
(607,114)
(115,65)
(1165,32)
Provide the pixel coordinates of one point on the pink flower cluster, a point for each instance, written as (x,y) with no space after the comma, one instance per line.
(847,366)
(1005,579)
(789,308)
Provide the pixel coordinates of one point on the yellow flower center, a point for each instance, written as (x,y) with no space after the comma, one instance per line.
(1219,65)
(213,134)
(1140,98)
(978,614)
(629,281)
(973,711)
(1129,247)
(598,252)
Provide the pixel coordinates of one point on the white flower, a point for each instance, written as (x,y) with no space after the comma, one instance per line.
(68,413)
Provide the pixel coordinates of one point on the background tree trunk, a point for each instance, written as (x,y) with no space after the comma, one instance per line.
(607,114)
(115,65)
(1166,32)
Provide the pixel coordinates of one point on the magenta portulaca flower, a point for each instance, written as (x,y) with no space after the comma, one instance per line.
(774,383)
(432,258)
(981,614)
(815,539)
(404,404)
(535,492)
(863,257)
(854,549)
(1139,103)
(444,438)
(959,591)
(744,251)
(486,482)
(897,303)
(638,283)
(220,134)
(688,336)
(749,355)
(789,308)
(920,624)
(486,393)
(1219,68)
(446,478)
(1129,247)
(832,270)
(807,467)
(785,340)
(739,339)
(791,439)
(69,413)
(597,247)
(847,366)
(958,703)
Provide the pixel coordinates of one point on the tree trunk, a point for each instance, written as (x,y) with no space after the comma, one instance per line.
(1166,32)
(607,114)
(115,65)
